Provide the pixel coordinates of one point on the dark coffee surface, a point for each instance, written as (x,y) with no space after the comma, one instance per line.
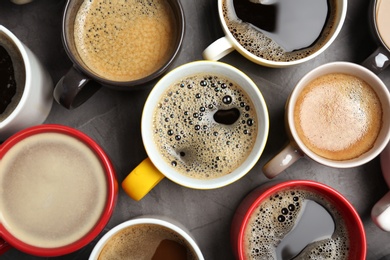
(113,118)
(7,79)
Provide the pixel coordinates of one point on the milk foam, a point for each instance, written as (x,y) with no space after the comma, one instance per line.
(276,216)
(124,40)
(191,140)
(338,116)
(383,20)
(53,190)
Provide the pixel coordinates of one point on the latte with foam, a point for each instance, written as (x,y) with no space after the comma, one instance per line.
(147,241)
(383,20)
(52,190)
(338,116)
(205,126)
(276,216)
(124,40)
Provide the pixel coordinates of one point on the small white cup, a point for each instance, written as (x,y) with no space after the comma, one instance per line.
(380,213)
(37,98)
(155,220)
(295,149)
(226,44)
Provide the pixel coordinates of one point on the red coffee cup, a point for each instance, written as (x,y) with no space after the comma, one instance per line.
(65,197)
(250,205)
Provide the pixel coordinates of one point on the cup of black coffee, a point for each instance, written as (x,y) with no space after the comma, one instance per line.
(298,218)
(279,34)
(25,86)
(119,44)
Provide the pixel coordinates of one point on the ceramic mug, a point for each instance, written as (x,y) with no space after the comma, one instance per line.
(140,46)
(59,190)
(274,206)
(229,42)
(204,153)
(380,213)
(351,127)
(32,100)
(379,59)
(147,235)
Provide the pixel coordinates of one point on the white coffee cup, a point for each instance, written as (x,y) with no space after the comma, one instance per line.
(226,44)
(153,220)
(36,101)
(143,178)
(296,149)
(380,213)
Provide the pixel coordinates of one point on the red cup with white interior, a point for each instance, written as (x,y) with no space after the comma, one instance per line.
(297,218)
(58,190)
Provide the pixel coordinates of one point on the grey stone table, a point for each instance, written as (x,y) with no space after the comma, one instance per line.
(112,118)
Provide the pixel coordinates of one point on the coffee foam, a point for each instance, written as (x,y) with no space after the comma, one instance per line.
(264,231)
(338,116)
(187,134)
(260,45)
(383,20)
(140,242)
(53,190)
(19,73)
(124,40)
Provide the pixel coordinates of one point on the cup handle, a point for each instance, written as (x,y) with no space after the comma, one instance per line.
(142,180)
(284,159)
(4,246)
(380,213)
(74,89)
(378,60)
(218,49)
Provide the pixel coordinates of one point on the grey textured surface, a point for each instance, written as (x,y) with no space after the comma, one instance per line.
(112,118)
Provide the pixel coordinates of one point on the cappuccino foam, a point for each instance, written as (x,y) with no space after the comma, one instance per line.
(52,190)
(124,40)
(338,116)
(276,216)
(142,242)
(205,126)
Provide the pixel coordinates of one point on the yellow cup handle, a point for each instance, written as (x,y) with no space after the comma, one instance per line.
(142,180)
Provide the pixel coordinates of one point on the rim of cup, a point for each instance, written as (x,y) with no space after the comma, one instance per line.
(190,69)
(155,220)
(361,72)
(112,189)
(26,64)
(341,15)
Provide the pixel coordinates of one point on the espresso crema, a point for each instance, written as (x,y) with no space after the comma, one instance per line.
(52,190)
(124,40)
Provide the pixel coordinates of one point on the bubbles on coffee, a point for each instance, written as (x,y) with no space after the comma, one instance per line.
(205,126)
(276,46)
(276,216)
(12,76)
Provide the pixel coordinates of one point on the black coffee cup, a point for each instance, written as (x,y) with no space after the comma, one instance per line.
(83,79)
